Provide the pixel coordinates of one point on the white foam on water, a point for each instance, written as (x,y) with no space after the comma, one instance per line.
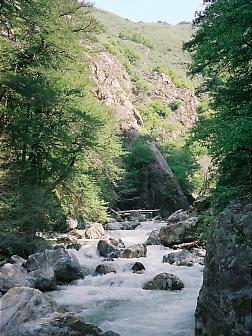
(117,301)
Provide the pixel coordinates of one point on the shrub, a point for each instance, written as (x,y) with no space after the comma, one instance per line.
(131,55)
(131,35)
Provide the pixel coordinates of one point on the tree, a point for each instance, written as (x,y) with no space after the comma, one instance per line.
(222,52)
(49,120)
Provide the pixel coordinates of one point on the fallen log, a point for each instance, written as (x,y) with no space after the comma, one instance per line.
(188,246)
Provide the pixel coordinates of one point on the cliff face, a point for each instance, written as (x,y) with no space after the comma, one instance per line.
(116,90)
(224,303)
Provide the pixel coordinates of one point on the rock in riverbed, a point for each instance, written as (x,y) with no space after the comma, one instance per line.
(110,247)
(185,257)
(135,251)
(164,281)
(28,312)
(12,275)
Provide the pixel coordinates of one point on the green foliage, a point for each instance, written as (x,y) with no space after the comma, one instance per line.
(224,59)
(131,55)
(183,162)
(134,36)
(180,83)
(50,123)
(174,105)
(141,85)
(136,163)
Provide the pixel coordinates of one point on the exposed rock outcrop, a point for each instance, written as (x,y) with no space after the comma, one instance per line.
(224,302)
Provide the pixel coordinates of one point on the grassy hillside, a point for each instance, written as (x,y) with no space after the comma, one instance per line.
(166,41)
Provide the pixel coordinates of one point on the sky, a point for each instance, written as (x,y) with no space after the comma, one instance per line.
(171,11)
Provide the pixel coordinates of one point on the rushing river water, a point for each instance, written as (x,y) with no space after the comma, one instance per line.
(116,301)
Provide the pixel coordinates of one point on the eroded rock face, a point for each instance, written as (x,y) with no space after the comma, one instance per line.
(13,275)
(135,251)
(110,247)
(180,229)
(164,281)
(64,264)
(224,301)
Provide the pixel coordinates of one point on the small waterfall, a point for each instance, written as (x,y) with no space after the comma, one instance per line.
(116,301)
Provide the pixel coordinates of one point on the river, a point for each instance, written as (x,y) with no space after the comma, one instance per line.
(116,301)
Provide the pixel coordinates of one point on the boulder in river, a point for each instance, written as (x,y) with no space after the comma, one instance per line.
(183,258)
(135,251)
(164,281)
(110,247)
(138,267)
(13,275)
(105,269)
(64,263)
(153,238)
(95,231)
(224,302)
(45,279)
(28,312)
(180,229)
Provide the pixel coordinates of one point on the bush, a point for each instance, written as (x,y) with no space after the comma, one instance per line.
(131,35)
(131,55)
(174,105)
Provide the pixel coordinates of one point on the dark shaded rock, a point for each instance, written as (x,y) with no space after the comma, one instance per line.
(201,203)
(65,265)
(110,247)
(13,275)
(224,302)
(105,269)
(138,267)
(45,279)
(153,238)
(110,333)
(164,281)
(74,246)
(180,229)
(135,251)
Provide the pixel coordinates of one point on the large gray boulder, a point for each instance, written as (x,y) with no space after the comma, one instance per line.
(185,257)
(28,312)
(64,264)
(45,279)
(153,238)
(135,251)
(180,229)
(13,275)
(110,247)
(22,304)
(224,302)
(164,281)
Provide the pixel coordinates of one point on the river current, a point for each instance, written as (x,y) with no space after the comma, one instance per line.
(116,301)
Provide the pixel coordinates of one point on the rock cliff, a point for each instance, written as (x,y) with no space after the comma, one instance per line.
(224,302)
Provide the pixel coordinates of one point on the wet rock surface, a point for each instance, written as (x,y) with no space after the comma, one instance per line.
(153,238)
(180,229)
(110,247)
(105,269)
(224,302)
(135,251)
(164,281)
